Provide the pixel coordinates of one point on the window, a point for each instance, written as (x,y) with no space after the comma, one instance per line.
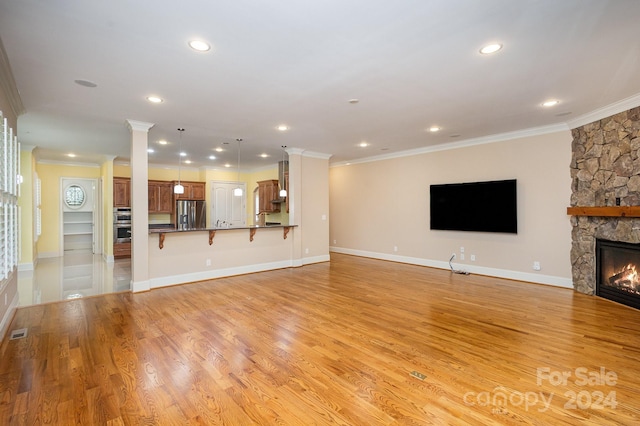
(9,166)
(74,196)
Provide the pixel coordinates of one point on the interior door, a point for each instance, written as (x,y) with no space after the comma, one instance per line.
(226,208)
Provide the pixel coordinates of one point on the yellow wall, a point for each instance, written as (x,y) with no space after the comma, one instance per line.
(50,174)
(26,203)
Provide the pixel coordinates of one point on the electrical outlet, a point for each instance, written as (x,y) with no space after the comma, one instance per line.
(536,266)
(473,257)
(335,242)
(461,249)
(395,248)
(306,251)
(462,256)
(208,262)
(453,256)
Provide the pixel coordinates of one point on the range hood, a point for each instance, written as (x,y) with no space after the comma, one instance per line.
(283,168)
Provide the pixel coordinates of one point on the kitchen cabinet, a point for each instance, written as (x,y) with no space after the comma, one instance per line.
(192,191)
(121,250)
(160,196)
(121,192)
(267,192)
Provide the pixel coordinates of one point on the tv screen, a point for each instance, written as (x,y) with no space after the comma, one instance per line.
(475,206)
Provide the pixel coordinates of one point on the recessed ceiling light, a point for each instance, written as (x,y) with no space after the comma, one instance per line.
(183,154)
(199,45)
(490,48)
(264,155)
(72,155)
(162,142)
(85,83)
(550,103)
(363,144)
(212,157)
(354,101)
(219,149)
(150,150)
(154,99)
(434,129)
(187,161)
(227,165)
(283,127)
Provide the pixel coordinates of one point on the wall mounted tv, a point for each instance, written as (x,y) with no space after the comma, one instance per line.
(475,206)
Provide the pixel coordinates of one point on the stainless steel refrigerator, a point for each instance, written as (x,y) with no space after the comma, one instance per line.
(191,214)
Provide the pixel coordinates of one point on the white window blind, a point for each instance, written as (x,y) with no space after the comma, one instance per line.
(9,213)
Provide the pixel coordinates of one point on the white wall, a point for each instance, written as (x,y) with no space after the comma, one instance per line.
(376,206)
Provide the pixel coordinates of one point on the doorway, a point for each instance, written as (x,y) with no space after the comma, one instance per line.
(80,215)
(228,210)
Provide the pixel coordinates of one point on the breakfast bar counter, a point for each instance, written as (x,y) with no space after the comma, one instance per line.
(180,256)
(163,230)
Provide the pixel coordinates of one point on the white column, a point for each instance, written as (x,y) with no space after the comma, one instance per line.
(295,202)
(139,205)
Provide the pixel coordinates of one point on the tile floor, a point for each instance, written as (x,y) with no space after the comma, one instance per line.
(77,274)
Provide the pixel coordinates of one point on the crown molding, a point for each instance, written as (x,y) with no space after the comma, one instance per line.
(141,126)
(606,111)
(67,163)
(8,84)
(501,137)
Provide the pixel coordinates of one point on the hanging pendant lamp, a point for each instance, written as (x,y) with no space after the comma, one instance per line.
(179,189)
(238,191)
(283,191)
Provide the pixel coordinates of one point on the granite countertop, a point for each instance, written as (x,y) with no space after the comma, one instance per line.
(162,229)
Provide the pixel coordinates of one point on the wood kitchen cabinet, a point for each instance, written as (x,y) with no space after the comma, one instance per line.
(267,192)
(121,192)
(121,250)
(192,191)
(160,196)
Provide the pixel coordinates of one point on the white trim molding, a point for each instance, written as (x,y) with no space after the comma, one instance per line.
(473,269)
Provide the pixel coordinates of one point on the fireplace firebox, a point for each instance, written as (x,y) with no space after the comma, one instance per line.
(618,272)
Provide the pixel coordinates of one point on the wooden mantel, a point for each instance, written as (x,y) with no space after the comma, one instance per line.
(604,211)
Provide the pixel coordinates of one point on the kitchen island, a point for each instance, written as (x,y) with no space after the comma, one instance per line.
(182,256)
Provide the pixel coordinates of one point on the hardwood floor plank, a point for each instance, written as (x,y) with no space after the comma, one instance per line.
(350,342)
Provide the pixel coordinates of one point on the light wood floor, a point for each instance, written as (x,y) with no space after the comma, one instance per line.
(344,343)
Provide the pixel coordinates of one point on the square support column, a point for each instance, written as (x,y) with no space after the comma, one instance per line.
(139,205)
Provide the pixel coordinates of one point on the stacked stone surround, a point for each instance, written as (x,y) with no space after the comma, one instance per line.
(605,168)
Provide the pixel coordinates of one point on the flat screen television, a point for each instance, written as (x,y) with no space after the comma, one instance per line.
(475,206)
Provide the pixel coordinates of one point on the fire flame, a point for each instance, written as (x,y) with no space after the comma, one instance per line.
(626,277)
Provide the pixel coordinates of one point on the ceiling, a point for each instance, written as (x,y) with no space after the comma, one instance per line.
(410,64)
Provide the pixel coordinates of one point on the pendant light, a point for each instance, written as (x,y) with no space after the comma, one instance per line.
(179,189)
(238,191)
(283,191)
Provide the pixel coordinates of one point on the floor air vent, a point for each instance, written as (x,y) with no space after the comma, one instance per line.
(18,334)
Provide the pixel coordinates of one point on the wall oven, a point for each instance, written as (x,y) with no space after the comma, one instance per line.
(122,225)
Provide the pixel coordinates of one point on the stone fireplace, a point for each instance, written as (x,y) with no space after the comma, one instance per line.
(605,171)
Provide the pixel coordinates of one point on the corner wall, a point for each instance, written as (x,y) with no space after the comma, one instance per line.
(380,206)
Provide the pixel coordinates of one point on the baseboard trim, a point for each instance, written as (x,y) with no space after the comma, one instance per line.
(480,270)
(316,259)
(8,315)
(218,273)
